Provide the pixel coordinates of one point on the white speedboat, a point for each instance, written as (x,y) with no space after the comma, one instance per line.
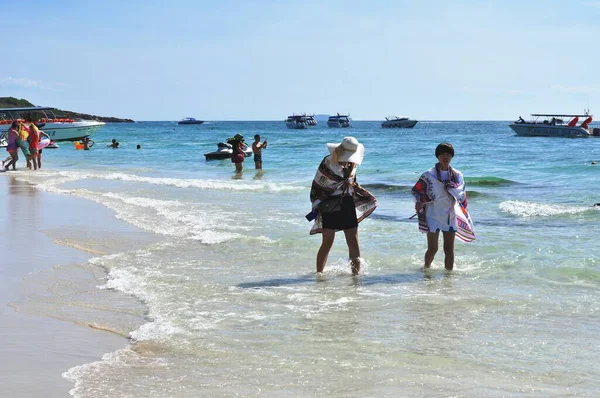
(553,125)
(59,129)
(190,120)
(339,121)
(224,151)
(399,122)
(297,122)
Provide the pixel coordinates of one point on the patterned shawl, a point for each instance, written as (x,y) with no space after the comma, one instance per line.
(424,191)
(326,182)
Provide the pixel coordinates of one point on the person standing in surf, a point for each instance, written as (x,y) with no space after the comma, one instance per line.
(338,202)
(11,147)
(238,146)
(257,148)
(441,204)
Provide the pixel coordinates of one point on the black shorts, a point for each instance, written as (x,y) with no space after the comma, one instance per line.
(258,158)
(344,219)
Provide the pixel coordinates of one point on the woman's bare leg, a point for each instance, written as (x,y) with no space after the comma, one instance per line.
(353,249)
(432,247)
(449,249)
(328,237)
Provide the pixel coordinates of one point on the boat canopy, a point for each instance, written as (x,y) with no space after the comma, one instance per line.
(557,115)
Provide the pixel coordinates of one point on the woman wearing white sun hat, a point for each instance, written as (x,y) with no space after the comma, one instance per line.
(340,202)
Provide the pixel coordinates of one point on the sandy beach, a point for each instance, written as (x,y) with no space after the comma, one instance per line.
(53,315)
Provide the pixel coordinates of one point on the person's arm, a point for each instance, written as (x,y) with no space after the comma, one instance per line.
(264,145)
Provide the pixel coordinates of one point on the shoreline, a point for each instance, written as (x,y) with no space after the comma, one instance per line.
(54,316)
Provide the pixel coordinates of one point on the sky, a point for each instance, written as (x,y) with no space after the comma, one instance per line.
(264,60)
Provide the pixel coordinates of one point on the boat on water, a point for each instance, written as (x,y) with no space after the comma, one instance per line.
(339,121)
(297,122)
(555,125)
(399,122)
(190,120)
(59,129)
(224,151)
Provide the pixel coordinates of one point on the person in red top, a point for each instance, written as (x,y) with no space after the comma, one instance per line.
(34,140)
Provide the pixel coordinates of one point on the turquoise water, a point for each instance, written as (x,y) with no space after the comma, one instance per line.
(234,306)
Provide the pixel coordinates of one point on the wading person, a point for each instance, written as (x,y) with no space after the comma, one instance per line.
(338,202)
(441,204)
(257,148)
(238,146)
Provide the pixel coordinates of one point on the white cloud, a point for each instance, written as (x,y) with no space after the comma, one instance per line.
(24,82)
(574,89)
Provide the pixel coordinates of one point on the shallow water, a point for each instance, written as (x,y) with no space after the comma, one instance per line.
(234,306)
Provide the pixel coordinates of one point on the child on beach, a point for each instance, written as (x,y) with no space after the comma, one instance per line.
(441,202)
(257,148)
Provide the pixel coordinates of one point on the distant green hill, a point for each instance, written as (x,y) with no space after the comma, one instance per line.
(11,102)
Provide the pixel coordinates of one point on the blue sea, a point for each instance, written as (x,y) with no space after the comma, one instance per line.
(233,306)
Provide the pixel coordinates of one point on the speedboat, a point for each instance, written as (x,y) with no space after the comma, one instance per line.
(339,121)
(554,125)
(190,120)
(399,122)
(59,129)
(297,122)
(224,151)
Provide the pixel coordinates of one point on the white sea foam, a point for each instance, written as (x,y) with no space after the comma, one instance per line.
(532,209)
(53,178)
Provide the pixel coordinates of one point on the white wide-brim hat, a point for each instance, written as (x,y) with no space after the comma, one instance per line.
(354,152)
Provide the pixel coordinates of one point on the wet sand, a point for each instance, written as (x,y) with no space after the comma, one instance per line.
(53,316)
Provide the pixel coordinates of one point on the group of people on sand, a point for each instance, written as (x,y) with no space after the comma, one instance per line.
(239,146)
(25,136)
(339,203)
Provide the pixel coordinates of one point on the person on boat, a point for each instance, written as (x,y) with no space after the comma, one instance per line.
(238,146)
(11,147)
(338,201)
(521,120)
(257,148)
(437,194)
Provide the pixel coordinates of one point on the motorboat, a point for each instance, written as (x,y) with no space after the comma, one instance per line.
(339,121)
(224,151)
(59,129)
(297,122)
(555,125)
(190,120)
(398,122)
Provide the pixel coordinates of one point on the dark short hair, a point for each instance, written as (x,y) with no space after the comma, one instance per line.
(256,136)
(14,125)
(444,147)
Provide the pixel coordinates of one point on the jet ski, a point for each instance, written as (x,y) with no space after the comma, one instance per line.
(224,151)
